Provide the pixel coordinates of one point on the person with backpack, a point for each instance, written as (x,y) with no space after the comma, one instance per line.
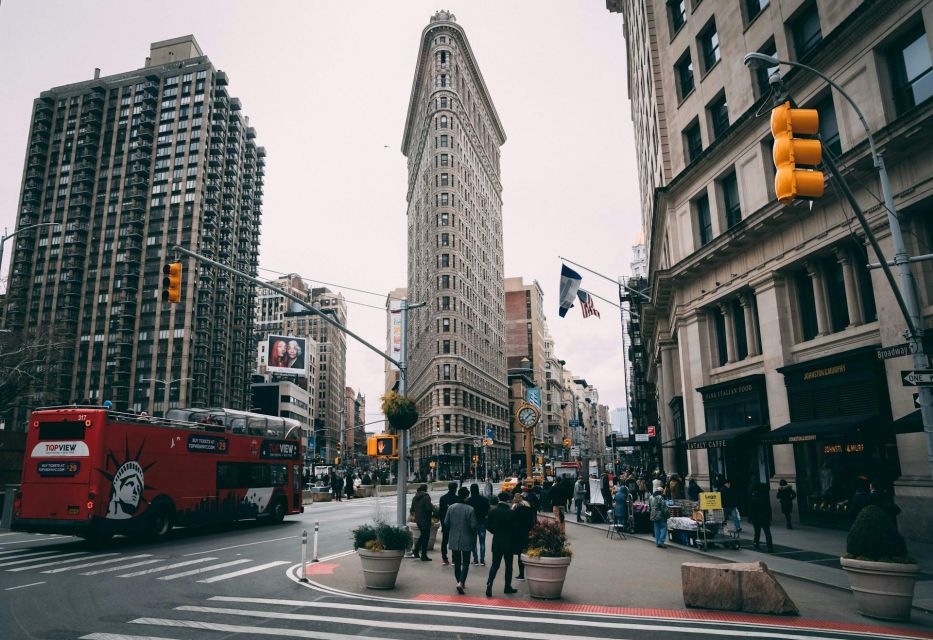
(658,514)
(786,495)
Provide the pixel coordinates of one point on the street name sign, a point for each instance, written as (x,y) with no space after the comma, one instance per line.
(917,378)
(895,351)
(641,437)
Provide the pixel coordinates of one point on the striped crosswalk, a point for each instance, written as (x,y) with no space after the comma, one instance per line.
(253,617)
(60,559)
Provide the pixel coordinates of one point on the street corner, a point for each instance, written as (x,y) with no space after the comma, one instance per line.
(321,568)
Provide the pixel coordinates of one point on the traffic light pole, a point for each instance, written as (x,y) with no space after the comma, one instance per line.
(905,294)
(402,363)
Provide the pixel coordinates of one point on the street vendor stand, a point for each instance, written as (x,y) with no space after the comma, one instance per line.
(705,525)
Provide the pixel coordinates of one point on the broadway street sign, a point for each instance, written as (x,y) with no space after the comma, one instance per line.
(895,351)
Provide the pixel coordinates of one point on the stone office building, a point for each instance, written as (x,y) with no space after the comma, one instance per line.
(765,321)
(457,354)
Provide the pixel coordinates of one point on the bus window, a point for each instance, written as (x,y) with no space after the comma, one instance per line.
(242,475)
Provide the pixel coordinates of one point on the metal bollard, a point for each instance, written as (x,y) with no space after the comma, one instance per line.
(304,555)
(314,551)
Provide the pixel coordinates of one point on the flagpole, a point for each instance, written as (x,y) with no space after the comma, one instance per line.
(615,282)
(601,298)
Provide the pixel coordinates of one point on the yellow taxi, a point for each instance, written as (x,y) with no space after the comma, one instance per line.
(509,484)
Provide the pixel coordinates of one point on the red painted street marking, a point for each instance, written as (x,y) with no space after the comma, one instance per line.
(321,568)
(699,616)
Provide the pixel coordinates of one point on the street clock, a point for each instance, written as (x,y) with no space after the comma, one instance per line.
(528,415)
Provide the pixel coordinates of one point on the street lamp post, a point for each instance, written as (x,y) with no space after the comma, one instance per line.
(905,295)
(167,384)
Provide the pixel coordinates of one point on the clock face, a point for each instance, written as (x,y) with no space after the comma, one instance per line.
(527,416)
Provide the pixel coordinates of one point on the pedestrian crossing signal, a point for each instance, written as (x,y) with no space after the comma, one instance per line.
(382,446)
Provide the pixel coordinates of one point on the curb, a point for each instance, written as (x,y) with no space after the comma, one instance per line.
(635,536)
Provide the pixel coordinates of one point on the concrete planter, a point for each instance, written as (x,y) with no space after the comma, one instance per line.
(882,590)
(380,568)
(545,576)
(363,491)
(416,533)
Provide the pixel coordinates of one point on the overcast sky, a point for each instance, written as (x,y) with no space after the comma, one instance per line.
(326,85)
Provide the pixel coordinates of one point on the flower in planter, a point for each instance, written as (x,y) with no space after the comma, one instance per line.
(546,540)
(399,410)
(381,537)
(874,537)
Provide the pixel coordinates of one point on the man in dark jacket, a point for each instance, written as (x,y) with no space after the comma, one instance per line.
(605,490)
(481,507)
(443,505)
(336,484)
(759,506)
(525,517)
(421,509)
(500,523)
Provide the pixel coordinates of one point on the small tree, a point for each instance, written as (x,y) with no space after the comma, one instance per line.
(546,540)
(399,410)
(874,537)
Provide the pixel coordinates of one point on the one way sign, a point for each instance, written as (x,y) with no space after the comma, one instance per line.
(917,378)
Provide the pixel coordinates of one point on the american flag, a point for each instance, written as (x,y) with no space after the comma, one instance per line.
(586,304)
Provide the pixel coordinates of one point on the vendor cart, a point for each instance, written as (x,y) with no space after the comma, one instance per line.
(712,530)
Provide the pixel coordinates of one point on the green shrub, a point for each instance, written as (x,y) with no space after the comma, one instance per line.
(381,536)
(874,536)
(399,410)
(546,540)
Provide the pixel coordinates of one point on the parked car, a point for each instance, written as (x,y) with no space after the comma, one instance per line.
(509,484)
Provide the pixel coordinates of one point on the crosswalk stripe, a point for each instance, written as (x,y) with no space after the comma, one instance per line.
(121,567)
(165,568)
(120,636)
(95,564)
(25,555)
(454,630)
(4,544)
(256,631)
(243,572)
(64,555)
(204,569)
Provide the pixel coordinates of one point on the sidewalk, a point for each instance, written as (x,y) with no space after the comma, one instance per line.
(606,576)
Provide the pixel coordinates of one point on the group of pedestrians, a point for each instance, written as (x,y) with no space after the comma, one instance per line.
(465,516)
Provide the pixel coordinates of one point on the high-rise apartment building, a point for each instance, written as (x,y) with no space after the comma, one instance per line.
(118,170)
(457,372)
(764,322)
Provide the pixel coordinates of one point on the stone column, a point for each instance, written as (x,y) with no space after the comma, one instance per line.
(726,309)
(819,299)
(751,323)
(851,284)
(668,355)
(693,350)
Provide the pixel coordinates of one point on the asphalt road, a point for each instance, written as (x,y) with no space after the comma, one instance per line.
(240,582)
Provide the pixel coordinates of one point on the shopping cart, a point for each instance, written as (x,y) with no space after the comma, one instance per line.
(712,530)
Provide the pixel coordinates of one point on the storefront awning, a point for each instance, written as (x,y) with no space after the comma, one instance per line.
(717,439)
(911,423)
(820,429)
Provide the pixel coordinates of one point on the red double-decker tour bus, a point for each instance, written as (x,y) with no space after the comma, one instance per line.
(94,472)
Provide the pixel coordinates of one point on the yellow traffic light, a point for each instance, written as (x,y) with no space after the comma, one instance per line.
(432,464)
(171,282)
(339,446)
(475,458)
(789,152)
(337,460)
(567,442)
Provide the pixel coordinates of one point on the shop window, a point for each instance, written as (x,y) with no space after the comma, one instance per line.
(683,70)
(911,69)
(805,31)
(806,305)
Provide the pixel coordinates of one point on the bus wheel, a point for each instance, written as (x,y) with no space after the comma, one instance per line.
(277,511)
(162,521)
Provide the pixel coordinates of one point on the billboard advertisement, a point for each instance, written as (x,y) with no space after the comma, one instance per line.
(288,355)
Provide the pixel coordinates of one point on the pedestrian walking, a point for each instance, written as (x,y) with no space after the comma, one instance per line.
(487,489)
(421,510)
(481,507)
(658,513)
(579,495)
(336,485)
(443,504)
(558,503)
(656,483)
(759,506)
(525,518)
(620,505)
(786,495)
(348,488)
(500,522)
(605,490)
(460,522)
(730,504)
(693,489)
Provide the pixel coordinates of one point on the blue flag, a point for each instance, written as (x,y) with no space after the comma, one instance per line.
(569,283)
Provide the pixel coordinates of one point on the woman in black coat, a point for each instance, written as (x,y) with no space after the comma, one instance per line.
(759,506)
